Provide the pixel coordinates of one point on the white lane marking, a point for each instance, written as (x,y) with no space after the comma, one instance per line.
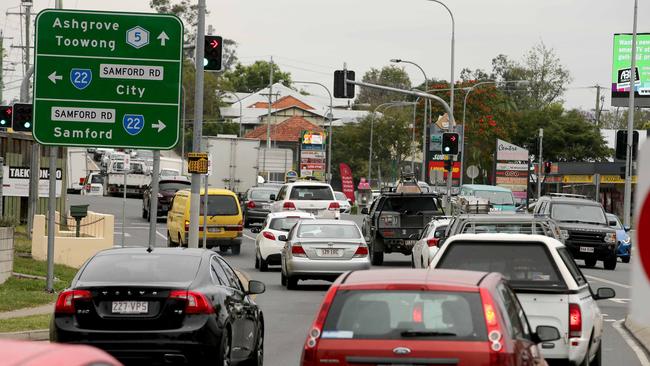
(119,233)
(610,320)
(640,354)
(163,236)
(608,281)
(249,237)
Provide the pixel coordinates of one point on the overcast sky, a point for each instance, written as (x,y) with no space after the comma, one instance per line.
(312,38)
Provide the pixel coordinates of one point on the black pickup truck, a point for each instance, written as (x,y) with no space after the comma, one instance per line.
(394,221)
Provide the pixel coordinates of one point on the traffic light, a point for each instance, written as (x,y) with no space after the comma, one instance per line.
(547,167)
(341,88)
(22,117)
(621,144)
(450,143)
(5,116)
(213,53)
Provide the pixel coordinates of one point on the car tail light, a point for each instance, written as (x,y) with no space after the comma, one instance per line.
(495,334)
(82,181)
(196,302)
(334,206)
(298,251)
(269,235)
(187,225)
(418,312)
(362,251)
(433,242)
(311,343)
(288,206)
(575,321)
(250,204)
(65,301)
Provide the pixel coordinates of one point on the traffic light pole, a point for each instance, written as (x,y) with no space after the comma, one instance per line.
(627,200)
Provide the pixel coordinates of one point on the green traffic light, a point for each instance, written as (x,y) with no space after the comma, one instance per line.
(28,125)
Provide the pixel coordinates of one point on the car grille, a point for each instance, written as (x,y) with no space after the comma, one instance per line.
(586,237)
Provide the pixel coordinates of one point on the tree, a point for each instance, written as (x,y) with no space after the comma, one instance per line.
(392,76)
(251,78)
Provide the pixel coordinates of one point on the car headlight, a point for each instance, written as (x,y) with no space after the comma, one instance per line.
(627,240)
(565,234)
(610,238)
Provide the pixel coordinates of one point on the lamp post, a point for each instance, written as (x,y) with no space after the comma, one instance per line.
(372,122)
(453,51)
(425,119)
(329,137)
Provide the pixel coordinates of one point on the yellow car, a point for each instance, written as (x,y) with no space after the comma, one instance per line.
(224,224)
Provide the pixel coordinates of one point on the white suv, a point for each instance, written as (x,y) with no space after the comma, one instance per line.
(549,285)
(316,198)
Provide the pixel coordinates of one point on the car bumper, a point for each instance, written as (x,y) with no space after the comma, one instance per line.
(257,214)
(318,268)
(217,242)
(270,250)
(624,250)
(600,251)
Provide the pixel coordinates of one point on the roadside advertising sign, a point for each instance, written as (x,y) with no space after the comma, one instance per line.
(512,168)
(347,182)
(16,181)
(313,154)
(621,74)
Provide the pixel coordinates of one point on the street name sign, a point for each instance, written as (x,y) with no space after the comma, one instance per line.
(107,79)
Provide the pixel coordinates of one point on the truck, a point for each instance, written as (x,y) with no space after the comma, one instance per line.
(77,169)
(233,162)
(137,179)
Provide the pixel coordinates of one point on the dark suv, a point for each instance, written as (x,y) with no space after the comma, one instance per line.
(584,225)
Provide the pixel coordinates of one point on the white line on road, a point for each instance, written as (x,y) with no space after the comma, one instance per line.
(163,236)
(249,237)
(607,281)
(640,354)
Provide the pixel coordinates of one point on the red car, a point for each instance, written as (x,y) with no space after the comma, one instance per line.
(24,353)
(423,317)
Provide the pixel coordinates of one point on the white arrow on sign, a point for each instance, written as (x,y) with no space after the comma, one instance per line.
(162,37)
(54,77)
(160,125)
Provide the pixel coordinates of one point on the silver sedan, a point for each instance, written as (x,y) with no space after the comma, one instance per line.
(322,249)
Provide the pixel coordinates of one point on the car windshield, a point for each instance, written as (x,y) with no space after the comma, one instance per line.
(220,205)
(174,186)
(618,225)
(285,223)
(141,268)
(496,197)
(96,179)
(590,214)
(340,196)
(330,231)
(314,193)
(436,315)
(525,265)
(262,194)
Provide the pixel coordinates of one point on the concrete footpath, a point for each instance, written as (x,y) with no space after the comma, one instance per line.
(30,335)
(43,309)
(641,335)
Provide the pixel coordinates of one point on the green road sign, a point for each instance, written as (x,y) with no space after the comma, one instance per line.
(107,79)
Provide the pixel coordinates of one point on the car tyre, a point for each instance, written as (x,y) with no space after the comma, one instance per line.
(598,359)
(292,283)
(590,262)
(625,259)
(236,249)
(225,349)
(257,260)
(377,258)
(610,263)
(170,242)
(257,358)
(264,265)
(283,279)
(144,213)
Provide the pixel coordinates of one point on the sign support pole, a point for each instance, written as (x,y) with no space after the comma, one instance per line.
(627,200)
(195,201)
(126,166)
(540,164)
(51,219)
(205,214)
(153,201)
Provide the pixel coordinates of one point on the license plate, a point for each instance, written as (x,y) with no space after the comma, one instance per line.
(215,229)
(95,189)
(410,243)
(130,307)
(265,206)
(586,249)
(330,252)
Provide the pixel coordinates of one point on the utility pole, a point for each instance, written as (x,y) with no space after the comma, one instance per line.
(195,199)
(597,112)
(540,164)
(627,203)
(268,119)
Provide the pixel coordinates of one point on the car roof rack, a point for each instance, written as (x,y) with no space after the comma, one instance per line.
(568,195)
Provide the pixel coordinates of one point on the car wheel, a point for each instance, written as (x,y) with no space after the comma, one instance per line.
(264,265)
(170,242)
(283,279)
(412,261)
(292,283)
(610,263)
(257,260)
(148,216)
(257,357)
(225,350)
(598,359)
(144,213)
(590,262)
(180,242)
(625,259)
(236,249)
(377,258)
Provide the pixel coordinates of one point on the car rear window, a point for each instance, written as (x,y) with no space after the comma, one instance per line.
(141,268)
(567,258)
(314,193)
(410,205)
(285,223)
(370,314)
(259,194)
(220,205)
(174,186)
(524,265)
(330,231)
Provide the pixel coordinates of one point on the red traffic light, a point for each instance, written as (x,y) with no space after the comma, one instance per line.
(214,43)
(453,138)
(9,111)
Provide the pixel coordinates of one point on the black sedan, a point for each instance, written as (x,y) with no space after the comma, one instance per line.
(256,204)
(167,188)
(162,306)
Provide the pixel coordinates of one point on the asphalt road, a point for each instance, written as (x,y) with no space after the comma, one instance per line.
(289,314)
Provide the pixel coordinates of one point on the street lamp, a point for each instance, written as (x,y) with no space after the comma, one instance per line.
(372,122)
(469,90)
(424,127)
(329,137)
(453,46)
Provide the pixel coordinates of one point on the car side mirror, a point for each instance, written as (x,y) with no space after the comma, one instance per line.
(256,230)
(627,228)
(364,211)
(612,223)
(255,287)
(282,238)
(545,333)
(604,293)
(272,197)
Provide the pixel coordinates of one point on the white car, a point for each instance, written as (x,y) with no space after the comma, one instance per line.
(428,243)
(344,202)
(316,198)
(267,246)
(549,285)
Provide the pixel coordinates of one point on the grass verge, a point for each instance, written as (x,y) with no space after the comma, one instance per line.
(33,322)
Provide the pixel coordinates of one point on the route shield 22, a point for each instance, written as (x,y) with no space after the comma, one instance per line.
(81,78)
(133,123)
